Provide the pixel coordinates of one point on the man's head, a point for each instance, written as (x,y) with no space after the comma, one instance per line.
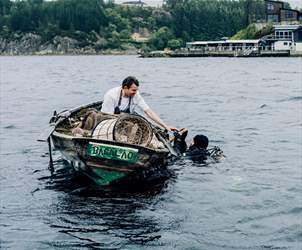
(201,141)
(130,86)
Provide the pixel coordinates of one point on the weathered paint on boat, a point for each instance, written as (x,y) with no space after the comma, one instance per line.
(112,152)
(104,161)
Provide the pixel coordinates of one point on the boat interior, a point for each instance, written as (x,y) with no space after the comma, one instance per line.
(126,128)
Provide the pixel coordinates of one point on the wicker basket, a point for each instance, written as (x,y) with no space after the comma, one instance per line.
(126,128)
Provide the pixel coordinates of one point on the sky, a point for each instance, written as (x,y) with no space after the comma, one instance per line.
(293,3)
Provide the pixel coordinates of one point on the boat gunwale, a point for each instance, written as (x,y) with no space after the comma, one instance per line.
(71,137)
(72,111)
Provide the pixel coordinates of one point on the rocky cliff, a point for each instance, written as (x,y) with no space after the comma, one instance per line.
(32,44)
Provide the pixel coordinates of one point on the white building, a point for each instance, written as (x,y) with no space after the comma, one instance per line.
(138,3)
(225,45)
(287,37)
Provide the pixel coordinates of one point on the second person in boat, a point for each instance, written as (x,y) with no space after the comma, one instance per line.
(126,99)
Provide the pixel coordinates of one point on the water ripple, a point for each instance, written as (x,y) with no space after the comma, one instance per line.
(292,98)
(251,200)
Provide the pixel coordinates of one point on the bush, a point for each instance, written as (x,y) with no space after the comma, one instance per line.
(247,33)
(251,32)
(269,29)
(160,38)
(101,44)
(175,44)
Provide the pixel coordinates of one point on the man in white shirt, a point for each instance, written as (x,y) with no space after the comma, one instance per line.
(126,99)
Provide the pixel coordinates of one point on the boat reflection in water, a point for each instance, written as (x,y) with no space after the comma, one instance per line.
(103,216)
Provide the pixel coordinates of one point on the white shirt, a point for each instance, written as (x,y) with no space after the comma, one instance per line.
(111,99)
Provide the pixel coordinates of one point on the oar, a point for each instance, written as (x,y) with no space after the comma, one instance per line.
(54,121)
(182,130)
(156,130)
(167,144)
(45,135)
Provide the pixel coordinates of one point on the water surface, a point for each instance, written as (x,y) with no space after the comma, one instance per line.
(251,108)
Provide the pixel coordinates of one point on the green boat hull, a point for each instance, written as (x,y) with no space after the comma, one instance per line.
(104,177)
(112,161)
(104,161)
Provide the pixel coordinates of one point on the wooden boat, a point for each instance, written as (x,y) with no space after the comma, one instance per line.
(108,160)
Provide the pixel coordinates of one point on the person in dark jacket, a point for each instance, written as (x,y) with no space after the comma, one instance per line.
(198,150)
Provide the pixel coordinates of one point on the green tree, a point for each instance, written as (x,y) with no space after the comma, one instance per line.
(20,18)
(177,21)
(5,6)
(114,41)
(175,44)
(161,37)
(211,19)
(116,18)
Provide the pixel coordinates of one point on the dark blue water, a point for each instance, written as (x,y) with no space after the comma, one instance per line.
(251,108)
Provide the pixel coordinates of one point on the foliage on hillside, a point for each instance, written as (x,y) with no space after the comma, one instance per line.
(251,32)
(211,20)
(106,25)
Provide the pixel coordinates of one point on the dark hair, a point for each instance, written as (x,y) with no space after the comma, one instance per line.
(201,141)
(128,81)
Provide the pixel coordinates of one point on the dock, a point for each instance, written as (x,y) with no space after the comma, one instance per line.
(285,41)
(235,53)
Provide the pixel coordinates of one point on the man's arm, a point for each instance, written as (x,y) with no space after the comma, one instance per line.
(152,115)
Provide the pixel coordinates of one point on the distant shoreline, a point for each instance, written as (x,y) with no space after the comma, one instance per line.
(110,53)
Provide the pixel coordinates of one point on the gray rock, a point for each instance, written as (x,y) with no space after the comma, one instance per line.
(65,44)
(26,44)
(32,44)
